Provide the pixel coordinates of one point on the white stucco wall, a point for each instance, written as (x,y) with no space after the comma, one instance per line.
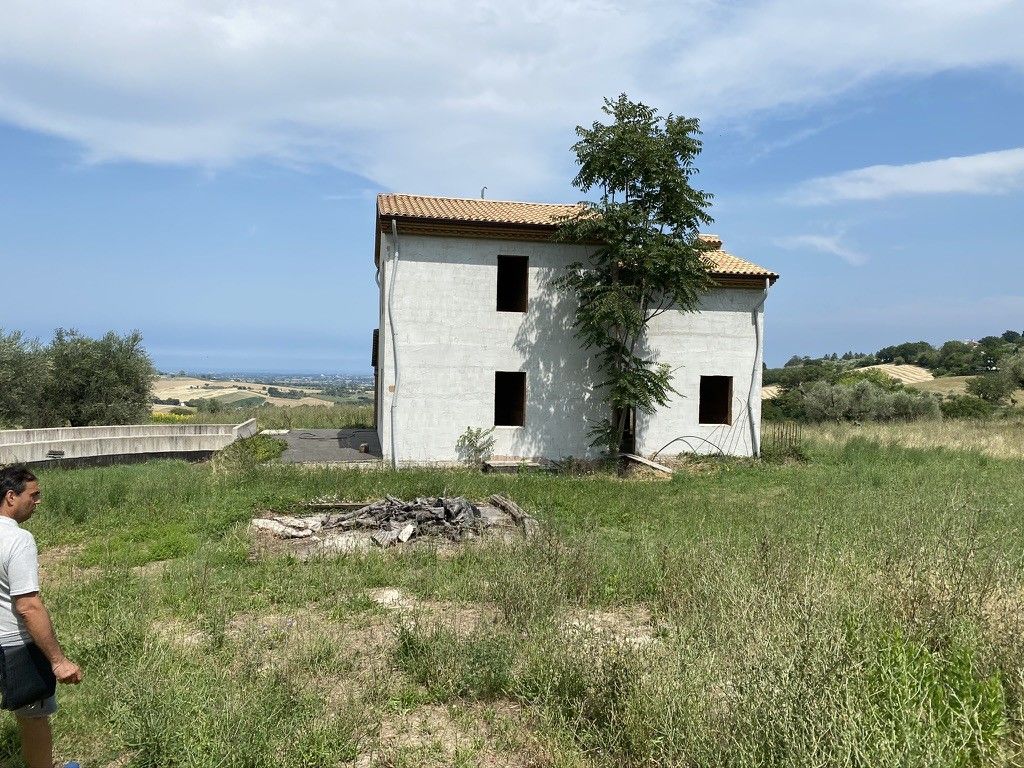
(718,340)
(451,340)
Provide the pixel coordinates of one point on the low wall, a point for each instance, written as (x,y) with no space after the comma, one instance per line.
(76,445)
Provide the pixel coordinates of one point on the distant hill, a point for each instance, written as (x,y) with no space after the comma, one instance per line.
(908,374)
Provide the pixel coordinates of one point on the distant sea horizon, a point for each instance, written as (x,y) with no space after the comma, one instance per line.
(262,373)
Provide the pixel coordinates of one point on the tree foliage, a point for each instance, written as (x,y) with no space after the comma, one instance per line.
(994,387)
(647,255)
(851,398)
(24,371)
(75,380)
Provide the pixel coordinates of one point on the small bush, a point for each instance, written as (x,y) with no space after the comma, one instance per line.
(170,418)
(475,445)
(249,452)
(966,407)
(992,387)
(861,401)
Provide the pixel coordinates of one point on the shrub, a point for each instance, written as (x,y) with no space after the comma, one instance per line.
(878,378)
(992,387)
(966,407)
(475,445)
(246,454)
(170,418)
(859,400)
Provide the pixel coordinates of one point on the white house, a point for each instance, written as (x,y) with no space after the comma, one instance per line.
(472,334)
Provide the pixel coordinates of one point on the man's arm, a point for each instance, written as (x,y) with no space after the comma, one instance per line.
(37,620)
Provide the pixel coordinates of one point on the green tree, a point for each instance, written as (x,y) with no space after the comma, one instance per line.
(1013,366)
(24,373)
(992,387)
(98,381)
(648,253)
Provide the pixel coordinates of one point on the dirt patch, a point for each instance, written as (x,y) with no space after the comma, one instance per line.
(463,618)
(486,735)
(56,562)
(629,626)
(153,569)
(178,634)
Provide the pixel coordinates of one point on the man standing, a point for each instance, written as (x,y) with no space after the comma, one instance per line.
(23,617)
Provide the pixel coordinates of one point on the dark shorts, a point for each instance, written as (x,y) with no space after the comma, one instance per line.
(43,708)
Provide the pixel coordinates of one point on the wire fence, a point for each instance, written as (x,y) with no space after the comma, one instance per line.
(785,435)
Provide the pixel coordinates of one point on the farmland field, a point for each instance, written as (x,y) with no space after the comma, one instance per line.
(858,606)
(908,374)
(188,388)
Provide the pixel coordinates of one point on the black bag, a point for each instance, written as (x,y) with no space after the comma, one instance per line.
(25,676)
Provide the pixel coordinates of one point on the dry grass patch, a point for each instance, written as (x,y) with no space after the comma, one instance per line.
(463,618)
(998,439)
(179,634)
(908,374)
(494,735)
(630,626)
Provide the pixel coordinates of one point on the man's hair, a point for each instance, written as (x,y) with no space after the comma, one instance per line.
(15,478)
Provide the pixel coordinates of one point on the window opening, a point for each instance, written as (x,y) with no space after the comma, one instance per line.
(513,291)
(509,398)
(715,400)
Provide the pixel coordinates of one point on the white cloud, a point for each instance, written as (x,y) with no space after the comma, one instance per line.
(824,244)
(448,96)
(988,173)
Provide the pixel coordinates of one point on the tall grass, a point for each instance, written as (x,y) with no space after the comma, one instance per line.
(865,607)
(1001,438)
(284,417)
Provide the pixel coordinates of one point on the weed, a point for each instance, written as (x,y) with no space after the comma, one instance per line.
(860,608)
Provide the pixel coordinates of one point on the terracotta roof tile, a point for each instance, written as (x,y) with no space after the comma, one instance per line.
(461,209)
(470,209)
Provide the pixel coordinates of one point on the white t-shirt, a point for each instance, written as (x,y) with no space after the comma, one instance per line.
(19,575)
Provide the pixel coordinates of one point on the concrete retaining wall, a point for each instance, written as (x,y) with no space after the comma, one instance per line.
(76,444)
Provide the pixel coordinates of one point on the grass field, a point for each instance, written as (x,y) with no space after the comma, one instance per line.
(998,438)
(954,385)
(859,608)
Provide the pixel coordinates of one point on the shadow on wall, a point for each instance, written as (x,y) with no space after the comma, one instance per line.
(560,377)
(727,439)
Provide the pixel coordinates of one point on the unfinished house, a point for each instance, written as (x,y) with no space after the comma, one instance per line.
(472,334)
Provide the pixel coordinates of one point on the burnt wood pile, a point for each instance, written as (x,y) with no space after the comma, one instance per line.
(393,521)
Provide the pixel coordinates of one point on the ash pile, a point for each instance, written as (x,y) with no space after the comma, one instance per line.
(391,521)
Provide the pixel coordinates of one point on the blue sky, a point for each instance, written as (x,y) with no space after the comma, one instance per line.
(205,171)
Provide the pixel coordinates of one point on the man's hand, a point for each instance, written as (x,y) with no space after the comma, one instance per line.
(67,671)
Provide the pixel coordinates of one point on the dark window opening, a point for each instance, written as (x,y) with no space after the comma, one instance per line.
(715,400)
(375,351)
(512,283)
(509,398)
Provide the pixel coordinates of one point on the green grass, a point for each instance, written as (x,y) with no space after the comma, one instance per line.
(861,608)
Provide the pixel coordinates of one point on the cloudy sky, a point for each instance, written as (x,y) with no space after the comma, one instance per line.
(204,171)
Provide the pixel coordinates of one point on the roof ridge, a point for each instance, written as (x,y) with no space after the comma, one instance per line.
(473,199)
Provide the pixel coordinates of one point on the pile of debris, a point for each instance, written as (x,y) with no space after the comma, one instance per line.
(392,521)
